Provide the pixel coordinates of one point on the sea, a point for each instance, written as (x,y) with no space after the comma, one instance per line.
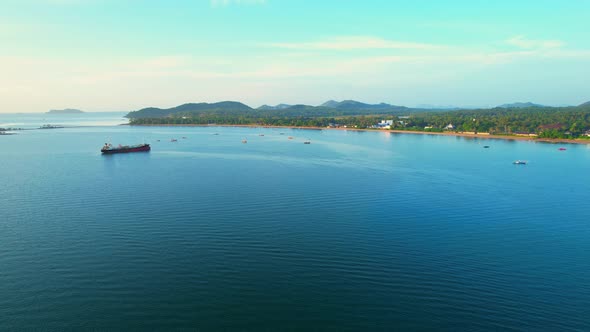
(357,231)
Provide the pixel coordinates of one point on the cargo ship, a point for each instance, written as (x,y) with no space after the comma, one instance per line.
(109,149)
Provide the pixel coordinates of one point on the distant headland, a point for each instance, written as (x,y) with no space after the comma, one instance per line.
(65,111)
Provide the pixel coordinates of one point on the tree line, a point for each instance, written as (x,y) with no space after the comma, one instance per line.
(547,122)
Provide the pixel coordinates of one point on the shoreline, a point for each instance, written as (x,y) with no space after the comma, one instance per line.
(393,131)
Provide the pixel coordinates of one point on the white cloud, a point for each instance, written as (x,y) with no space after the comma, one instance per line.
(525,43)
(70,2)
(167,61)
(225,3)
(309,68)
(354,43)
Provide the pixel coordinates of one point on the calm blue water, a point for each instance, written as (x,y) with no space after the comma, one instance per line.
(356,231)
(36,120)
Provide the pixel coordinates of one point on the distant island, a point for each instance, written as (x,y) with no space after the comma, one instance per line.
(517,119)
(65,111)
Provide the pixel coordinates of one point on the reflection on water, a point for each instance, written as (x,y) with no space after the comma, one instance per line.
(356,231)
(36,120)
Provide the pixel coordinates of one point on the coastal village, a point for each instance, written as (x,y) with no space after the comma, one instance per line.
(389,125)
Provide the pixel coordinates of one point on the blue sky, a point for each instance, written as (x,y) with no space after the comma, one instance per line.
(107,55)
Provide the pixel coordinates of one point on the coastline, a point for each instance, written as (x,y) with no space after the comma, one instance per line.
(411,132)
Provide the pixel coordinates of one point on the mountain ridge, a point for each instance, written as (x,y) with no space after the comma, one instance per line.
(353,104)
(276,107)
(189,108)
(329,108)
(345,107)
(520,105)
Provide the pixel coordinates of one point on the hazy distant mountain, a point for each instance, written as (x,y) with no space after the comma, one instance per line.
(65,111)
(520,105)
(357,105)
(312,111)
(219,108)
(438,107)
(300,107)
(586,104)
(330,103)
(271,108)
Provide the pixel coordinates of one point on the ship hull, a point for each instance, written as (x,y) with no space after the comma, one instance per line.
(141,148)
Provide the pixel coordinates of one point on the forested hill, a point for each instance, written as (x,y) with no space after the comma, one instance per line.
(229,108)
(357,105)
(552,122)
(224,107)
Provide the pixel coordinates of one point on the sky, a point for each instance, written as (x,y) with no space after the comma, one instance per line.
(122,55)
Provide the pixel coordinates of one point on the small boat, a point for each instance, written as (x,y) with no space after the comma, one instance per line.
(244,141)
(109,149)
(157,140)
(174,140)
(261,135)
(281,133)
(183,137)
(486,146)
(290,137)
(307,142)
(520,162)
(48,126)
(216,134)
(562,149)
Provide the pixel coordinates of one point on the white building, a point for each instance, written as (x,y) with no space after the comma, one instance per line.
(384,124)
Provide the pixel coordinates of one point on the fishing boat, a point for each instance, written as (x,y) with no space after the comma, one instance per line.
(174,140)
(520,162)
(49,126)
(110,149)
(562,149)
